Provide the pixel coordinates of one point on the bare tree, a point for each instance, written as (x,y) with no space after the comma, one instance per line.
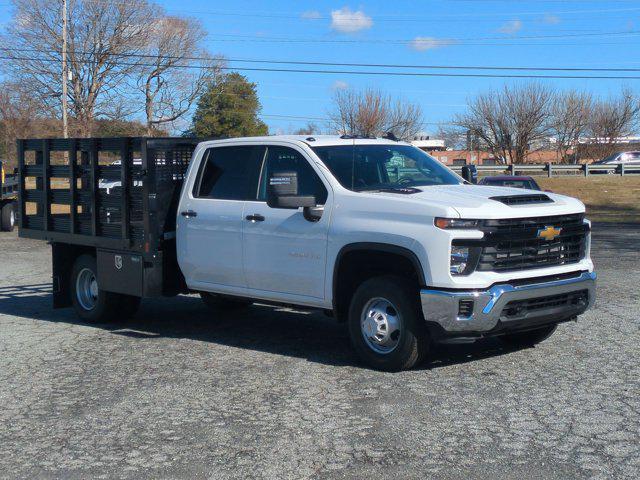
(511,122)
(612,119)
(21,116)
(175,71)
(404,120)
(570,114)
(372,113)
(310,129)
(104,38)
(454,138)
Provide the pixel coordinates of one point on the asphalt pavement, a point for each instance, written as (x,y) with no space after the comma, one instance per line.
(185,392)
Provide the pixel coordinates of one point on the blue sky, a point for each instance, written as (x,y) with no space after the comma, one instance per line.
(584,33)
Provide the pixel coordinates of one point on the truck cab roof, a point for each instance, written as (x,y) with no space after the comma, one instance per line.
(311,140)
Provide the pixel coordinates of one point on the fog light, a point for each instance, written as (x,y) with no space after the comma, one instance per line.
(459,260)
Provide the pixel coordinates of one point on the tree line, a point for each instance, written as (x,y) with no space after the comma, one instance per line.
(517,120)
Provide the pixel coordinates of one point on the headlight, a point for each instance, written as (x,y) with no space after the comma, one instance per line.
(456,223)
(459,260)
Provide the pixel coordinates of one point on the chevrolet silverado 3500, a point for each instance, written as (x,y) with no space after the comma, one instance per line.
(375,232)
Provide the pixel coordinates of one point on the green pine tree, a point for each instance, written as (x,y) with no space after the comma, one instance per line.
(228,108)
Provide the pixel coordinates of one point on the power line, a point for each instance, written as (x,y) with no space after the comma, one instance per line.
(458,40)
(347,64)
(363,72)
(440,43)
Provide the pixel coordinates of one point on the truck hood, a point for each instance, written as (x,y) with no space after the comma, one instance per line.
(474,201)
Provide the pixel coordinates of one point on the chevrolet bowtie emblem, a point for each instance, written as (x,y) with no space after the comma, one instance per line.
(549,233)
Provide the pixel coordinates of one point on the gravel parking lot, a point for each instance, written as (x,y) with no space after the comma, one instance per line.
(274,393)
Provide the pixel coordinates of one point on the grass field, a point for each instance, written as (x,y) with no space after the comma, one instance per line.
(608,198)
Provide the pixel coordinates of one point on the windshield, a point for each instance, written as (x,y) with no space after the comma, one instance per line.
(384,167)
(608,159)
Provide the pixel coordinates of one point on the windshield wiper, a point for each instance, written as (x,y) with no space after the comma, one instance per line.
(405,190)
(390,189)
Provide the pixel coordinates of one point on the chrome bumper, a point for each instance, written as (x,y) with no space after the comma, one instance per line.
(442,306)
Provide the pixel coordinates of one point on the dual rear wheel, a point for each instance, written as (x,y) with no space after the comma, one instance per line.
(91,303)
(7,217)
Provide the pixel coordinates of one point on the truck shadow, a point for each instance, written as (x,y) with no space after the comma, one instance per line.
(279,330)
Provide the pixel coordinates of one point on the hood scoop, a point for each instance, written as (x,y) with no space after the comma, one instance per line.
(522,199)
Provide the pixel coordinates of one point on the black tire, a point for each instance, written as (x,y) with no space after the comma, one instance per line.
(106,305)
(8,218)
(217,302)
(528,338)
(412,341)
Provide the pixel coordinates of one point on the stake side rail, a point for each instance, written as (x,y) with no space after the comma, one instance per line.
(112,193)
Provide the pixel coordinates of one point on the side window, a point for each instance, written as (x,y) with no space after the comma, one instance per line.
(279,159)
(227,173)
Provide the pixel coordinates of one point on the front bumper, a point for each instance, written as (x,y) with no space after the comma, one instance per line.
(505,306)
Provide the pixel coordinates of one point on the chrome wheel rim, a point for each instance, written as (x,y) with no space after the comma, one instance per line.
(87,289)
(12,218)
(381,324)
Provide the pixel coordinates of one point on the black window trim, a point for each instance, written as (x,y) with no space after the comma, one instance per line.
(198,182)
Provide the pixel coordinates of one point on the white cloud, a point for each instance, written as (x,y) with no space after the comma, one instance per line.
(339,85)
(551,19)
(311,15)
(428,43)
(346,21)
(511,27)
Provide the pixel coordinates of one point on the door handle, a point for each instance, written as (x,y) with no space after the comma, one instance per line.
(255,218)
(189,213)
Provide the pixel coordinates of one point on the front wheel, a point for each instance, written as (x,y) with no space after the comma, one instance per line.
(385,324)
(528,338)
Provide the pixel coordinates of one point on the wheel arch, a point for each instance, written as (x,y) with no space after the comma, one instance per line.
(392,259)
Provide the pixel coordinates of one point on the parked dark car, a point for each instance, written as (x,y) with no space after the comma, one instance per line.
(630,160)
(510,181)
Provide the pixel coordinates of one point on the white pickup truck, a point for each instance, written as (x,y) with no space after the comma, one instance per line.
(374,232)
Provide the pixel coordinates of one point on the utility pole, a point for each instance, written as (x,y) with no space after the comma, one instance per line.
(65,77)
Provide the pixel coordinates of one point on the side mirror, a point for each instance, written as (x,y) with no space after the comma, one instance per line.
(282,192)
(470,173)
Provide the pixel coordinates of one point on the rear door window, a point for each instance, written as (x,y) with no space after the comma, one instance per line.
(228,173)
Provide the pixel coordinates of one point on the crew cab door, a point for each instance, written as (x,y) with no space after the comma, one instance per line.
(210,219)
(284,253)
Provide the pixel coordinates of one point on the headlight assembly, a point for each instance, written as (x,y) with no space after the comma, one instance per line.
(456,223)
